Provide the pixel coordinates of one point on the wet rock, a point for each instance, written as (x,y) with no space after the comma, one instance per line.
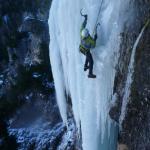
(26,91)
(134,130)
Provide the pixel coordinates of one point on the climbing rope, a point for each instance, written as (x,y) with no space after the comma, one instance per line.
(98,24)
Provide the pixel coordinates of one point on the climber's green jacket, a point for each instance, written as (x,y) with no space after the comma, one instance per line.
(88,42)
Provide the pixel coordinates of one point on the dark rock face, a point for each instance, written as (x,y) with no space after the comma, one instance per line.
(24,32)
(24,40)
(27,96)
(29,115)
(137,121)
(136,124)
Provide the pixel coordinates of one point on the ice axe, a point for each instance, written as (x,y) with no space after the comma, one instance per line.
(82,13)
(97,25)
(95,30)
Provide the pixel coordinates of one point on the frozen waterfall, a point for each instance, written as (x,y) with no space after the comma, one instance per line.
(90,97)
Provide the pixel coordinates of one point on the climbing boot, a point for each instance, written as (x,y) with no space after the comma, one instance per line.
(86,68)
(92,76)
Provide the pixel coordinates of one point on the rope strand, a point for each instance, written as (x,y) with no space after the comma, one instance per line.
(98,16)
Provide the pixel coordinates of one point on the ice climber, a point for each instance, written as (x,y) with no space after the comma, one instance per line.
(87,42)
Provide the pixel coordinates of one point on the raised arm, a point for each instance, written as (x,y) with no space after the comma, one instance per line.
(83,24)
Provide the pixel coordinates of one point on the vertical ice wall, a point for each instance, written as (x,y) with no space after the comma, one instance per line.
(90,97)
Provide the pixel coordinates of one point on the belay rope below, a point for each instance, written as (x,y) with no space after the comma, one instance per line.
(98,17)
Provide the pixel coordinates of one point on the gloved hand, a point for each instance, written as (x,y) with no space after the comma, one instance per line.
(85,16)
(95,37)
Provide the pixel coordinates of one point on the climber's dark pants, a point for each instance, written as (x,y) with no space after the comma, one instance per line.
(89,62)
